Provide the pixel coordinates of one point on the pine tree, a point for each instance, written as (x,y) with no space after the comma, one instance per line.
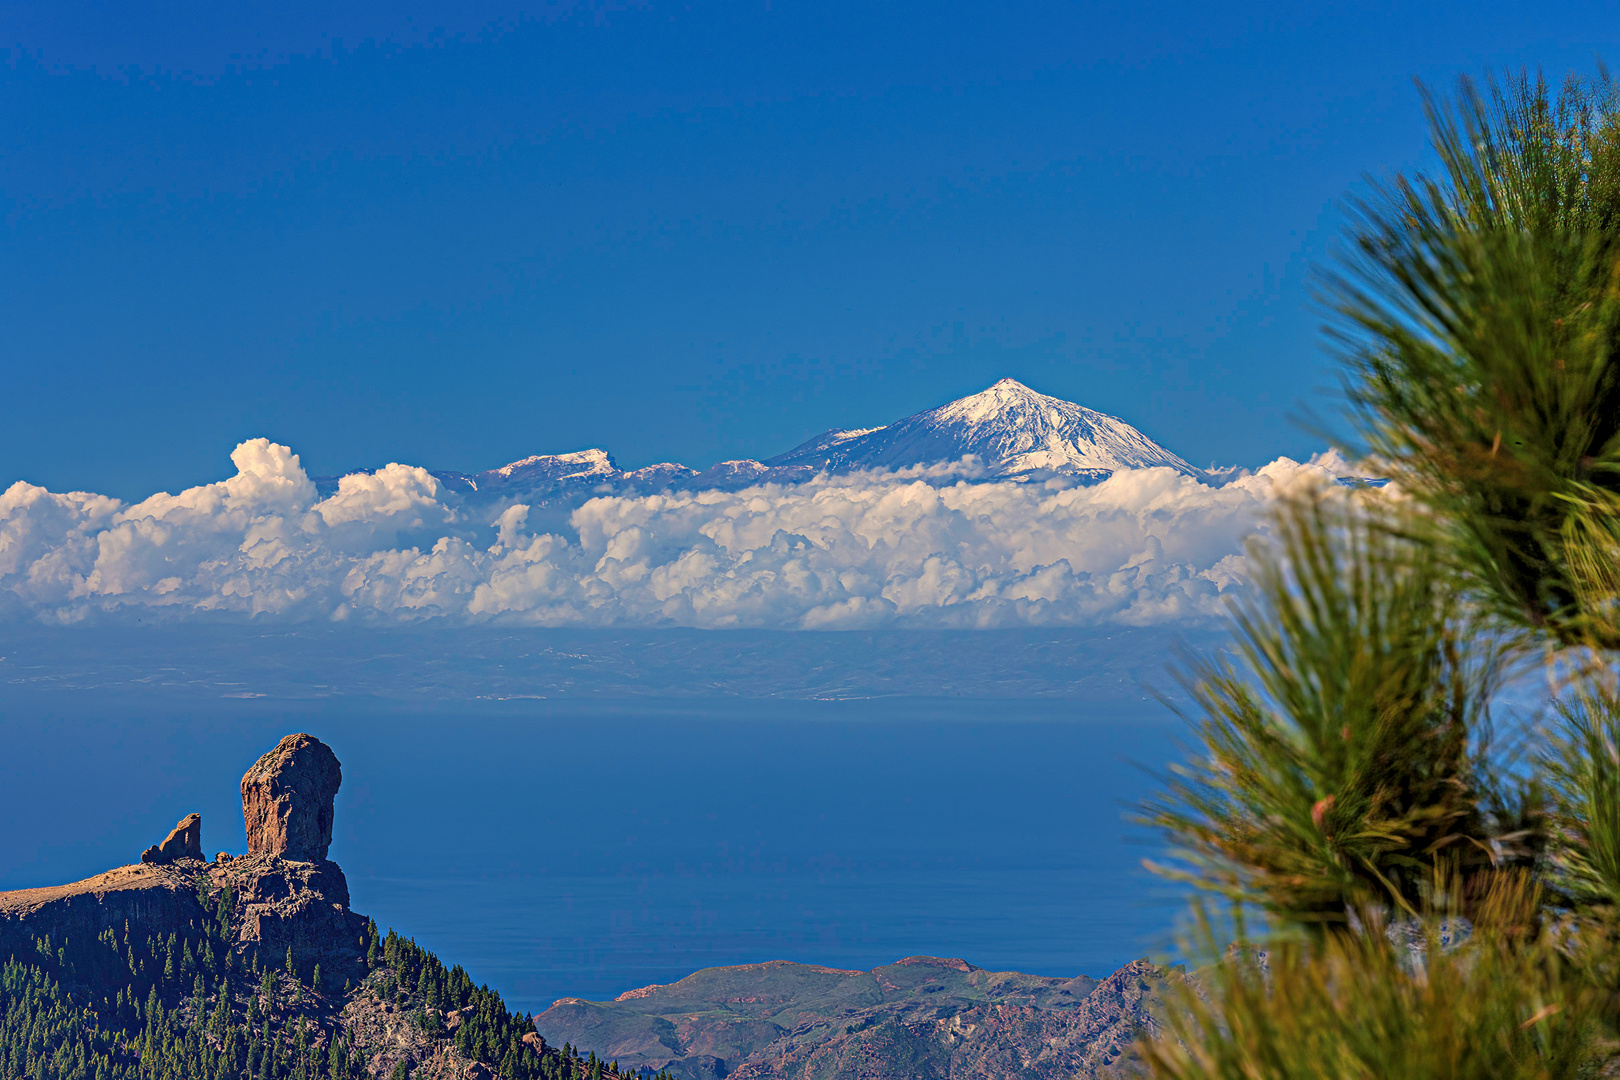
(1345,798)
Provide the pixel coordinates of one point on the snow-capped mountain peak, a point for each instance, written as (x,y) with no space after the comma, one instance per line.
(1011,429)
(578,465)
(1013,432)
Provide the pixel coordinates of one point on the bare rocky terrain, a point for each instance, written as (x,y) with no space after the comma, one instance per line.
(922,1018)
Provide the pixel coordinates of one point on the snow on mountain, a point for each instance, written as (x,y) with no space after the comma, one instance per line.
(581,465)
(655,477)
(746,470)
(736,475)
(827,443)
(548,474)
(1011,429)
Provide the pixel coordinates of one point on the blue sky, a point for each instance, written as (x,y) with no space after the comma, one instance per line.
(454,235)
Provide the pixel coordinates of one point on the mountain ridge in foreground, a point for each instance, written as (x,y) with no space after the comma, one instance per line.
(178,968)
(255,967)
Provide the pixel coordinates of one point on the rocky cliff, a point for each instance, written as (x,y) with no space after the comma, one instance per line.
(285,895)
(176,968)
(183,842)
(922,1018)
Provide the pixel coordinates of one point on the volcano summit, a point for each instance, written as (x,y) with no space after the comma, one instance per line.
(1012,431)
(1006,432)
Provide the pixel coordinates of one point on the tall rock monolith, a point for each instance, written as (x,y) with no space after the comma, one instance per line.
(287,800)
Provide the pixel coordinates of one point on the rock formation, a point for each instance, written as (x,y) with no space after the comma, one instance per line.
(287,799)
(301,906)
(201,937)
(286,895)
(183,842)
(247,952)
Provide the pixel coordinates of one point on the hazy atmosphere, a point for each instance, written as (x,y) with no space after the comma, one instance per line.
(455,238)
(682,540)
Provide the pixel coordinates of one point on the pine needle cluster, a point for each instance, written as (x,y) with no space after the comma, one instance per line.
(1481,336)
(1426,904)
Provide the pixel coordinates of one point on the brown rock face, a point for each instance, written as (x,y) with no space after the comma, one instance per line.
(183,842)
(286,897)
(297,905)
(287,799)
(152,898)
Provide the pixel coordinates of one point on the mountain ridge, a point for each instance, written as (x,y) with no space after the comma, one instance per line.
(920,1018)
(1006,432)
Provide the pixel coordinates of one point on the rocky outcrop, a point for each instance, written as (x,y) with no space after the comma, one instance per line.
(289,896)
(287,799)
(1092,1039)
(183,842)
(285,896)
(301,907)
(922,1018)
(246,952)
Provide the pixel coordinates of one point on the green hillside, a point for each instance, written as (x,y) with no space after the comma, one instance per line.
(188,1006)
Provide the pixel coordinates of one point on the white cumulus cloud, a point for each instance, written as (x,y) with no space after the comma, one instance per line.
(919,548)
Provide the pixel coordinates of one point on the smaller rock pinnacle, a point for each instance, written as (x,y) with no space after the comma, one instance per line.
(183,842)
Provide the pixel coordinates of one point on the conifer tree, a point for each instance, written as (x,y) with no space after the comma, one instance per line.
(1429,909)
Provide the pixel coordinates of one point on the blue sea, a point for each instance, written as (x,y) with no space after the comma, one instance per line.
(586,847)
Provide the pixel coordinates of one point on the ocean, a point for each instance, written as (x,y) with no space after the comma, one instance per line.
(586,847)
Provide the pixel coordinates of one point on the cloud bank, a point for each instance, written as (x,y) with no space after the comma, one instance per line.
(1145,547)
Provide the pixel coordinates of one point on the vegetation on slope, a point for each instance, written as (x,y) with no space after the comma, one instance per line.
(189,1006)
